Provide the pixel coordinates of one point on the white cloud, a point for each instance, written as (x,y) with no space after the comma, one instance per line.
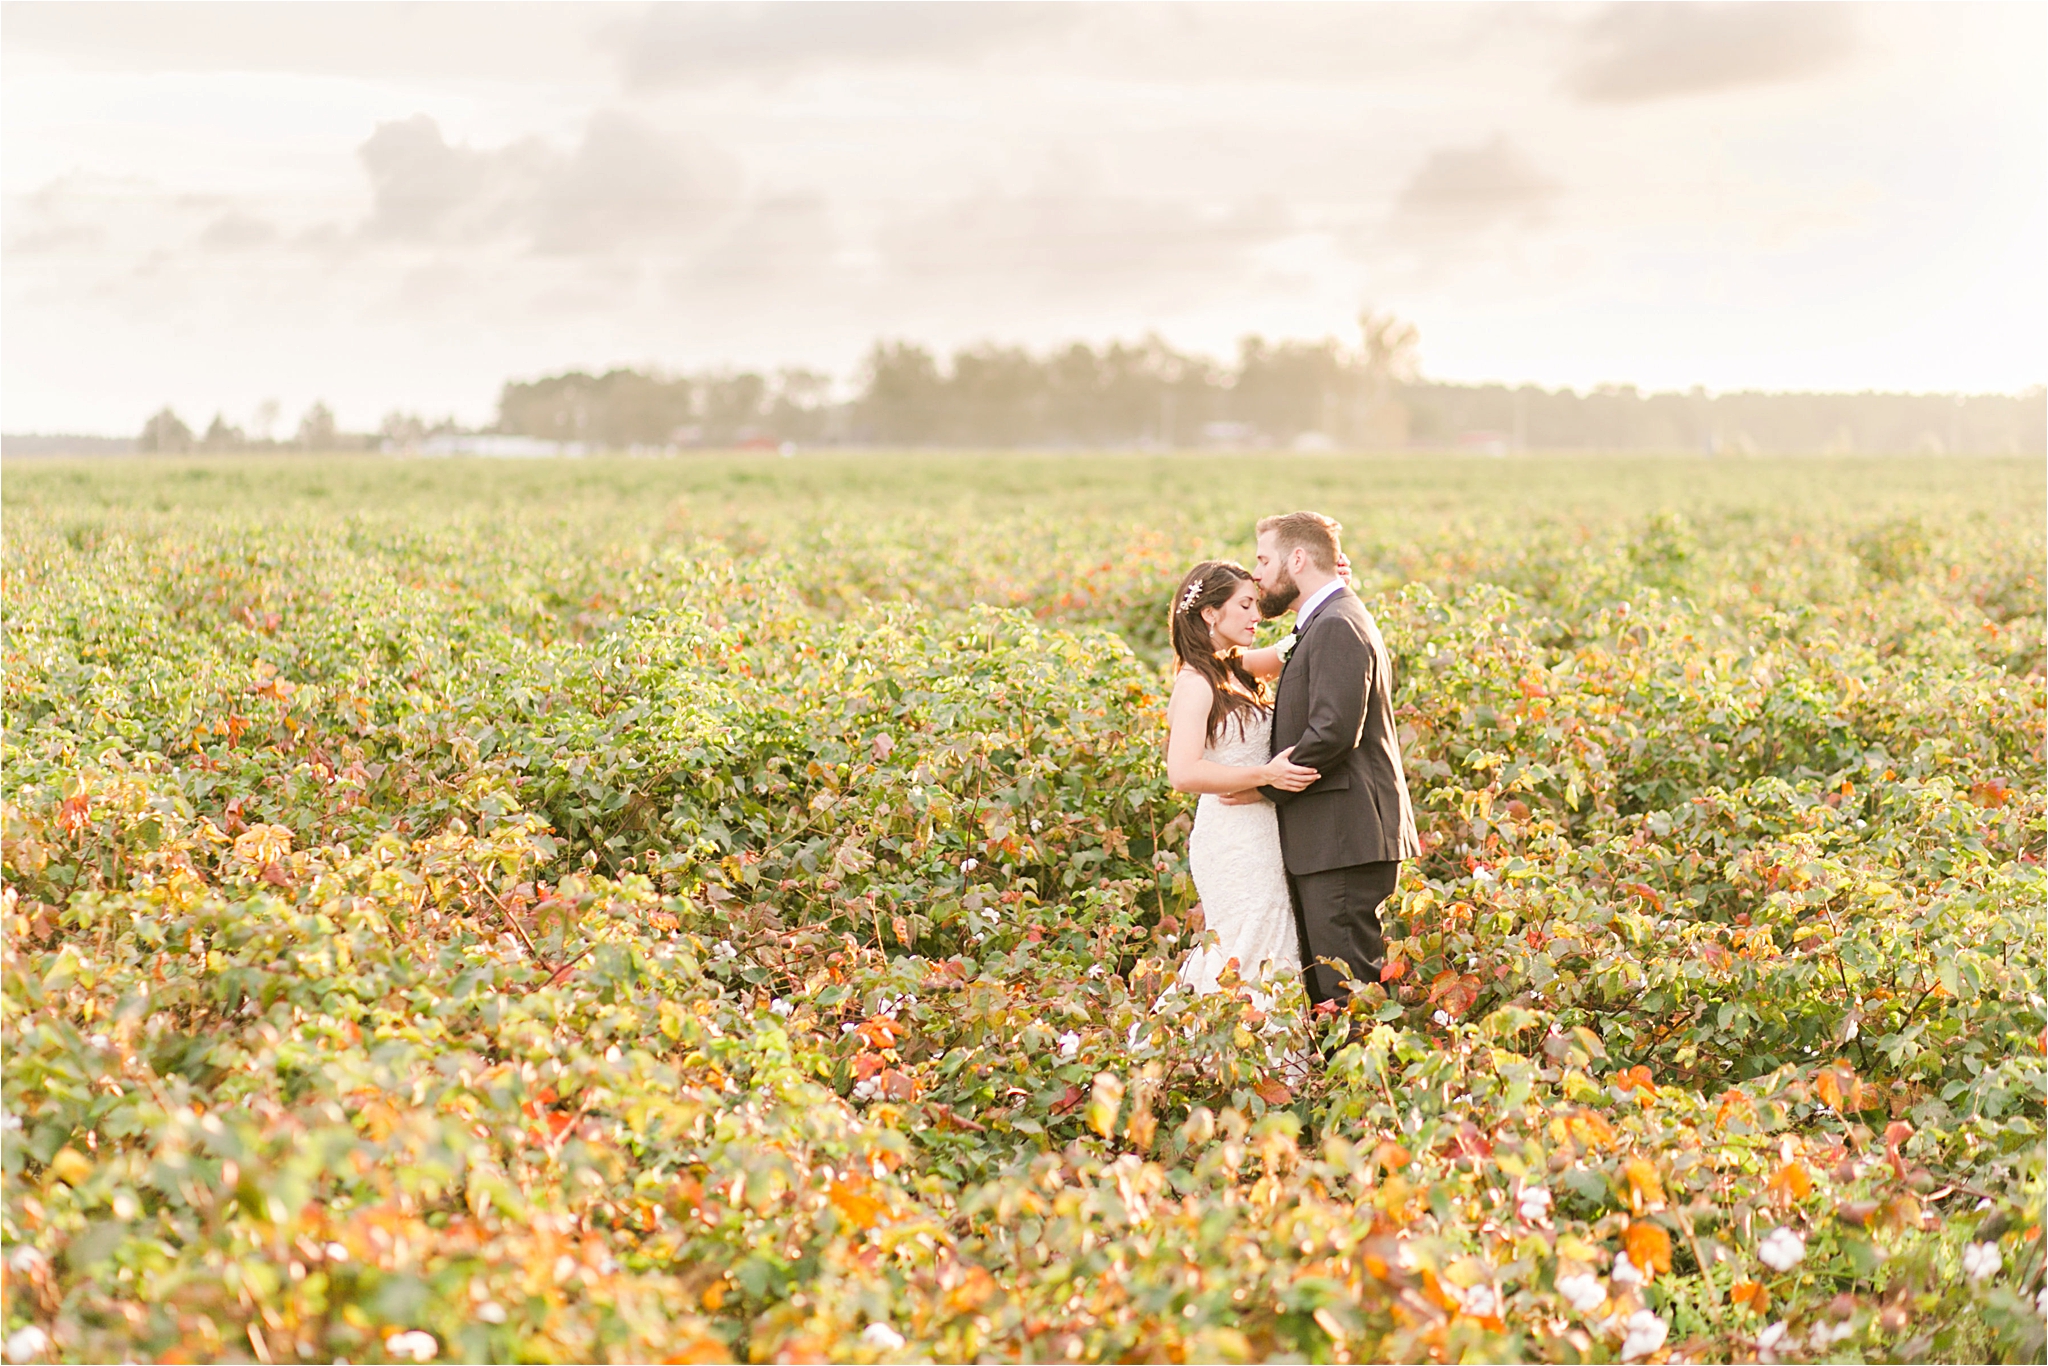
(1634,51)
(402,205)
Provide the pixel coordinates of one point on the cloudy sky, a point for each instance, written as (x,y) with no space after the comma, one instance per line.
(401,205)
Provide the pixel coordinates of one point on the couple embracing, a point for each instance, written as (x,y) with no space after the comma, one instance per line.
(1303,818)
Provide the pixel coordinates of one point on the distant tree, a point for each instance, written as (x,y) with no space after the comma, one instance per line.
(165,433)
(905,395)
(400,431)
(317,431)
(802,407)
(1392,363)
(1392,352)
(732,407)
(263,422)
(220,436)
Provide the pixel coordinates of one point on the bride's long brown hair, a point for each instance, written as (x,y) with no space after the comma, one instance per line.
(1235,692)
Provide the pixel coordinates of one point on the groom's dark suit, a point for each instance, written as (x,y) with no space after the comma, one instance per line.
(1343,836)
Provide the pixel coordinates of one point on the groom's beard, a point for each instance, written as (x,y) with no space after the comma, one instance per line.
(1281,596)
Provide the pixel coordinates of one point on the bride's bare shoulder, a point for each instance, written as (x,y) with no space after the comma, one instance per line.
(1187,680)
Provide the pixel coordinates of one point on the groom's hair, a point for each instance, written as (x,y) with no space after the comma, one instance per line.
(1310,531)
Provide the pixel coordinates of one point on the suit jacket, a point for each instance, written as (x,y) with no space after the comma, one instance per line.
(1335,706)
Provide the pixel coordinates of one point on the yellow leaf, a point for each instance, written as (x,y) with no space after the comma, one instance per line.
(70,1166)
(1103,1103)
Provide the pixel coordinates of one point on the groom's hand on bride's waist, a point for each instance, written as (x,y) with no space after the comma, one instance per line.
(1251,796)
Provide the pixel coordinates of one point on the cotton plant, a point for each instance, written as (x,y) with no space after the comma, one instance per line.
(1782,1249)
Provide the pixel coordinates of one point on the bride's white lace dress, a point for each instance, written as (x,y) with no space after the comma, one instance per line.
(1234,854)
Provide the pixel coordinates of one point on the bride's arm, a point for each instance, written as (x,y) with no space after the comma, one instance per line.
(1263,664)
(1187,725)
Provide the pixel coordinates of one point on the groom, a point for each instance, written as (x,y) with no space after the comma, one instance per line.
(1343,837)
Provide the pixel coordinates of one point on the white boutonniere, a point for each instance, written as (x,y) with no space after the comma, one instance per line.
(1285,645)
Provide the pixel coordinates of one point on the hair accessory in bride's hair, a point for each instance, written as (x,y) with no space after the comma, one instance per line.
(1187,599)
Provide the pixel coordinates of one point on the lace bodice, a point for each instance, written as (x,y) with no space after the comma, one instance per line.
(1245,741)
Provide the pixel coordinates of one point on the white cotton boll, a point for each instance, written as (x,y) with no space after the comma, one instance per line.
(848,1028)
(866,1090)
(1070,1044)
(27,1261)
(881,1337)
(1583,1291)
(1646,1333)
(1533,1204)
(414,1344)
(1825,1335)
(1034,826)
(1441,1018)
(1482,1301)
(27,1344)
(969,865)
(1768,1341)
(98,1041)
(782,1007)
(490,1311)
(2041,1301)
(1625,1272)
(1782,1249)
(1981,1260)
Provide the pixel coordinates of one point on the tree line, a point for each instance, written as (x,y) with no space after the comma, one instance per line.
(1326,394)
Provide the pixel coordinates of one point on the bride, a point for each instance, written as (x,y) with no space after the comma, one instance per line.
(1219,737)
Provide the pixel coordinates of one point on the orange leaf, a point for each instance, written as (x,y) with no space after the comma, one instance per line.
(1649,1248)
(1827,1084)
(1990,794)
(1645,1190)
(1395,970)
(1433,1291)
(1591,1130)
(1791,1182)
(881,1031)
(1751,1293)
(1272,1090)
(1454,991)
(72,814)
(1734,1105)
(861,1210)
